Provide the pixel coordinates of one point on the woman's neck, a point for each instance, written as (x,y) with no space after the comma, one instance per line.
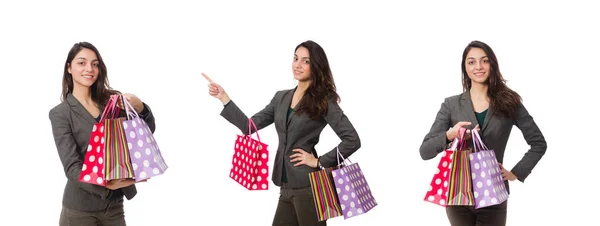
(478,91)
(83,95)
(302,86)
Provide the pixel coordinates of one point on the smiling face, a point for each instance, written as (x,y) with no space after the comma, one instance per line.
(301,64)
(84,69)
(477,66)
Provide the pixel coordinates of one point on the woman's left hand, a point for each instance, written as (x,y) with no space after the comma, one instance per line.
(135,102)
(303,157)
(507,175)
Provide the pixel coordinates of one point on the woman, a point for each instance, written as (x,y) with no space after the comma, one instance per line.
(494,108)
(299,114)
(85,92)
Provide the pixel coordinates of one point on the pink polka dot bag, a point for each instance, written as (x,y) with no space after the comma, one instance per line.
(249,163)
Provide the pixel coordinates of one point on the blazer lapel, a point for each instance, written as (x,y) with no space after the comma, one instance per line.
(488,117)
(285,107)
(467,106)
(80,110)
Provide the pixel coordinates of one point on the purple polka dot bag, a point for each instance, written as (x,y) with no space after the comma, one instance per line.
(144,153)
(352,189)
(488,185)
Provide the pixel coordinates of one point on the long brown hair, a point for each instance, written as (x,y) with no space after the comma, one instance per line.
(503,99)
(322,87)
(101,89)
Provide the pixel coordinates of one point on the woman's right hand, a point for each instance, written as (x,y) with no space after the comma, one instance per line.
(453,132)
(119,183)
(216,90)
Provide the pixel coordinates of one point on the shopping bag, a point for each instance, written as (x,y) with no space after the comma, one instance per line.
(145,156)
(460,190)
(449,185)
(92,170)
(249,163)
(117,162)
(324,195)
(352,189)
(488,185)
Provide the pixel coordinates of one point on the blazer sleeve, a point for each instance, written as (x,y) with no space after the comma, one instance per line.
(68,152)
(232,113)
(435,141)
(341,125)
(534,138)
(148,117)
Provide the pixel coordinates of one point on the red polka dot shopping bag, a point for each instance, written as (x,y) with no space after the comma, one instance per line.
(352,189)
(451,183)
(249,164)
(92,170)
(488,185)
(145,156)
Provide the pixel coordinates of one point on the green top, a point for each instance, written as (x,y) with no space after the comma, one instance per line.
(481,117)
(283,176)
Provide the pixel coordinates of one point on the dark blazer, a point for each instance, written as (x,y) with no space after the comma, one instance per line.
(299,131)
(494,132)
(72,127)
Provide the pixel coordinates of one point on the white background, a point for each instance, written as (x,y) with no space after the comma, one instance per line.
(393,65)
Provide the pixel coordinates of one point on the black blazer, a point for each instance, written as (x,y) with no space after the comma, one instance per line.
(299,131)
(494,132)
(72,127)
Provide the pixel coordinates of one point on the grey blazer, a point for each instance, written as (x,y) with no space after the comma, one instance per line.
(494,132)
(299,131)
(72,127)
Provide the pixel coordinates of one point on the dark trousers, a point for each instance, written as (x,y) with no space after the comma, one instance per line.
(469,216)
(113,215)
(296,208)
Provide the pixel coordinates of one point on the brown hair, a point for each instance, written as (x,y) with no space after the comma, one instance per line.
(322,87)
(503,99)
(101,89)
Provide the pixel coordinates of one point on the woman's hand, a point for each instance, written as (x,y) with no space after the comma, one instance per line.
(507,175)
(302,157)
(216,90)
(120,183)
(453,132)
(135,102)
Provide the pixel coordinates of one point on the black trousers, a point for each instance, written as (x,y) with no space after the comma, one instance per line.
(469,216)
(113,215)
(296,207)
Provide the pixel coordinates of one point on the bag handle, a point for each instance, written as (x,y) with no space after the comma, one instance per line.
(127,107)
(477,143)
(110,107)
(250,125)
(459,139)
(339,155)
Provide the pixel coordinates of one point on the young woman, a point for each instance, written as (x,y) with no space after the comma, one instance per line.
(85,92)
(299,114)
(488,105)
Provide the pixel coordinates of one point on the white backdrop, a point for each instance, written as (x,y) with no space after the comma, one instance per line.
(393,64)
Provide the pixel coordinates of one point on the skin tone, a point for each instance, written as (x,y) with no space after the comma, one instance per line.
(84,70)
(301,70)
(477,66)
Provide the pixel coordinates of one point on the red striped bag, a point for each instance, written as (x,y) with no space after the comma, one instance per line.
(324,195)
(116,151)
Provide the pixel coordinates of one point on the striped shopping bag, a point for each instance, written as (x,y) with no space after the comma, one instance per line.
(324,195)
(116,151)
(451,184)
(460,192)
